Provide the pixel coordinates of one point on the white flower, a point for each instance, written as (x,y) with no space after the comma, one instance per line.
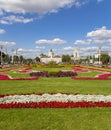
(54,97)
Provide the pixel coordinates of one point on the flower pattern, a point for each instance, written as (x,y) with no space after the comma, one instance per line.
(58,100)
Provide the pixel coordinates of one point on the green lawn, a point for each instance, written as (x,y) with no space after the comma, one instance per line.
(15,74)
(56,85)
(56,119)
(89,74)
(50,69)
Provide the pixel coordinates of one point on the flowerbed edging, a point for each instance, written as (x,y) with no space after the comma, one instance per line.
(54,101)
(6,77)
(99,77)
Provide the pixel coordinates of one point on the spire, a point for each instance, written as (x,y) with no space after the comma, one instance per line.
(51,53)
(76,54)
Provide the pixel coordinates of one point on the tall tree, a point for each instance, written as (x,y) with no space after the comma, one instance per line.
(66,58)
(16,59)
(21,58)
(104,58)
(37,59)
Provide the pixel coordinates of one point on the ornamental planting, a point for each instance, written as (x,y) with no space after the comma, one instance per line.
(58,100)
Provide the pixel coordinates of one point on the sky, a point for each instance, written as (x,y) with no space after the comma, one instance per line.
(33,27)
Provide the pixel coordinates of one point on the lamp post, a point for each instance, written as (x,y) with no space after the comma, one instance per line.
(17,58)
(100,54)
(89,55)
(12,56)
(1,47)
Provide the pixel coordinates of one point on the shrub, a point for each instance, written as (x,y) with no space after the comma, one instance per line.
(53,74)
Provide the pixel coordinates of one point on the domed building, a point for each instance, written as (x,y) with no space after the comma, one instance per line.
(50,57)
(76,54)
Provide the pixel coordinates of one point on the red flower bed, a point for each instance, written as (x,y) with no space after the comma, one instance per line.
(9,69)
(80,69)
(90,78)
(82,101)
(5,77)
(26,70)
(100,77)
(30,78)
(98,69)
(104,75)
(56,105)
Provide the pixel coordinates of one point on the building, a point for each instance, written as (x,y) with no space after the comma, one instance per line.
(76,54)
(97,55)
(50,57)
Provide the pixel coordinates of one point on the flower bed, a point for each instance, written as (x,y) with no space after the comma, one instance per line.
(53,74)
(99,77)
(6,77)
(54,101)
(105,76)
(80,69)
(98,69)
(26,70)
(9,69)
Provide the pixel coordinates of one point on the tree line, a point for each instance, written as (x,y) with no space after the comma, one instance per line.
(104,58)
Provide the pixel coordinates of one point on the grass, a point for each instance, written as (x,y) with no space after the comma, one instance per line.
(15,74)
(89,74)
(56,119)
(56,85)
(52,69)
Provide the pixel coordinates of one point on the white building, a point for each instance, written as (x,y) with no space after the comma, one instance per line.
(76,54)
(97,55)
(50,57)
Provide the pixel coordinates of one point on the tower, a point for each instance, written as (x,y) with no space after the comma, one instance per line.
(76,54)
(51,53)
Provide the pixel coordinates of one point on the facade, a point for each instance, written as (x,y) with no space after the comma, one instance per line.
(97,55)
(50,57)
(76,54)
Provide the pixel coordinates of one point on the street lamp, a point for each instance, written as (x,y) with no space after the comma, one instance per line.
(100,54)
(1,47)
(89,55)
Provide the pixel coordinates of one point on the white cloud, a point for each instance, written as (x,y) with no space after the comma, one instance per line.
(28,53)
(2,31)
(27,50)
(100,35)
(87,49)
(6,43)
(106,48)
(83,42)
(15,19)
(36,6)
(40,47)
(55,41)
(68,48)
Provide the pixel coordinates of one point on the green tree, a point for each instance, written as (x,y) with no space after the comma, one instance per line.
(66,58)
(29,61)
(15,59)
(37,59)
(104,58)
(6,59)
(21,58)
(3,55)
